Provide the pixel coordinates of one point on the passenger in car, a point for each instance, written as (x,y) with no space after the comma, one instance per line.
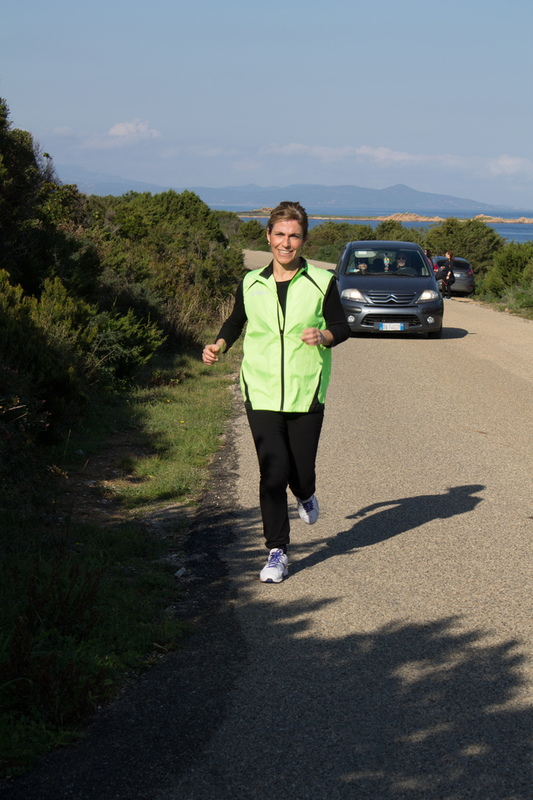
(359,266)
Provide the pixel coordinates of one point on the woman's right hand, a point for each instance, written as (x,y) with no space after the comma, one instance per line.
(210,353)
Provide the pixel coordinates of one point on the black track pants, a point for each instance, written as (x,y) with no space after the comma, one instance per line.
(286,446)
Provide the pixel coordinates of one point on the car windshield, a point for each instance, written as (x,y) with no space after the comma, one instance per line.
(379,261)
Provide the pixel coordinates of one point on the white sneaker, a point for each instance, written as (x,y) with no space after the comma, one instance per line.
(308,510)
(276,567)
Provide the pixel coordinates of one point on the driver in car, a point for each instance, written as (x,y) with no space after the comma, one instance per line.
(400,263)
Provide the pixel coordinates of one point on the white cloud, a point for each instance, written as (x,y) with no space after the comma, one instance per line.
(138,129)
(384,157)
(326,154)
(509,165)
(378,155)
(122,134)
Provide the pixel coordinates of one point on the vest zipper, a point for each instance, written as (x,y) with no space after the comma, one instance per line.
(282,339)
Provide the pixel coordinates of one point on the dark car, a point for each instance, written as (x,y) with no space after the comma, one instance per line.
(389,286)
(465,281)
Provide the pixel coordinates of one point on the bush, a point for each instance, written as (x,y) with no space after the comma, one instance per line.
(470,239)
(121,344)
(253,235)
(166,257)
(229,222)
(326,241)
(62,345)
(393,230)
(23,422)
(512,266)
(40,349)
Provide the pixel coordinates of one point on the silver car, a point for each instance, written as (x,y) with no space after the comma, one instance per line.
(389,286)
(465,280)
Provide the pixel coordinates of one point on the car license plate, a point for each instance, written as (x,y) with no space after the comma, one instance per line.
(391,326)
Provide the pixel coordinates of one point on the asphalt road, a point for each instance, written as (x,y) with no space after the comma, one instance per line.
(396,660)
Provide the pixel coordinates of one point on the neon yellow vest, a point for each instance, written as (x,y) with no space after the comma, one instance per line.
(279,372)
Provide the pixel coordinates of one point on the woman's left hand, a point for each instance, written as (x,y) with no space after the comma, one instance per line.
(312,337)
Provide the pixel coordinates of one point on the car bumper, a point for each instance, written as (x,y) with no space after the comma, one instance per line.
(364,318)
(461,285)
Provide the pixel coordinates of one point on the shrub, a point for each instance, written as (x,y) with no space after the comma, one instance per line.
(513,265)
(253,235)
(229,222)
(23,422)
(45,356)
(326,241)
(393,230)
(470,239)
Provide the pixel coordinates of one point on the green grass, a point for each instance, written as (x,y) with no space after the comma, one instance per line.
(184,424)
(84,606)
(516,300)
(76,615)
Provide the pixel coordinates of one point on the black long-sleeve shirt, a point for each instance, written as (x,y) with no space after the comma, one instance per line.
(332,311)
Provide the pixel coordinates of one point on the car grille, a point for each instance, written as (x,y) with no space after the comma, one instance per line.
(408,319)
(384,298)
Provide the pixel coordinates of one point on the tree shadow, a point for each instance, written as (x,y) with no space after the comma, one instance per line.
(410,710)
(270,704)
(381,521)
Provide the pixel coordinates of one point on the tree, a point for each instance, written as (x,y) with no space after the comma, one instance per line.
(392,230)
(38,218)
(253,234)
(326,241)
(471,239)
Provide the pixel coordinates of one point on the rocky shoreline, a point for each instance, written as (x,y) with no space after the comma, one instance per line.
(405,216)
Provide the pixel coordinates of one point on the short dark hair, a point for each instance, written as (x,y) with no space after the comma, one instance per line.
(288,210)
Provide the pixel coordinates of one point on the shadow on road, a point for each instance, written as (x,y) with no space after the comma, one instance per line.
(447,333)
(455,333)
(408,711)
(381,521)
(266,704)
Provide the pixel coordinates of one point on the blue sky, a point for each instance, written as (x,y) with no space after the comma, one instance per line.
(436,95)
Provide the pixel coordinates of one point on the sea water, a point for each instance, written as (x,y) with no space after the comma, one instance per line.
(511,231)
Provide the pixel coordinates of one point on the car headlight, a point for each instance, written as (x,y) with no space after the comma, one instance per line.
(428,295)
(352,294)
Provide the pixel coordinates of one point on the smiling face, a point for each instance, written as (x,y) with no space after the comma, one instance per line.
(286,240)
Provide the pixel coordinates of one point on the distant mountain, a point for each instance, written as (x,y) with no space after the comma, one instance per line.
(102,184)
(335,199)
(329,199)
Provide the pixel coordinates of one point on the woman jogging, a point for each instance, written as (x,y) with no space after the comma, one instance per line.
(294,318)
